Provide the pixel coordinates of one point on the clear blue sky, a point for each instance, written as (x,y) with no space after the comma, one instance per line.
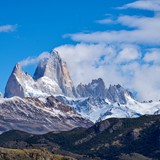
(39,25)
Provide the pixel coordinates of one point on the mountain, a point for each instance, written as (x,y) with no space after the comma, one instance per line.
(38,115)
(56,69)
(92,101)
(49,102)
(99,103)
(113,139)
(94,89)
(18,83)
(97,109)
(51,77)
(119,94)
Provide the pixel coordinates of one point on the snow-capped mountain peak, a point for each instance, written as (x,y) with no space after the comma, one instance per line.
(94,89)
(15,84)
(92,101)
(38,116)
(51,77)
(48,66)
(56,69)
(117,93)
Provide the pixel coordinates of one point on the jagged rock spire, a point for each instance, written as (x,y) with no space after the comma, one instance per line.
(51,77)
(94,89)
(117,93)
(13,87)
(56,69)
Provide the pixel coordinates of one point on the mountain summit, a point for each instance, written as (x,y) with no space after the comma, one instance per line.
(94,89)
(115,93)
(16,83)
(51,77)
(56,69)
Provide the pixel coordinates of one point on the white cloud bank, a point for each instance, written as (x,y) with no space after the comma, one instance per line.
(145,31)
(124,65)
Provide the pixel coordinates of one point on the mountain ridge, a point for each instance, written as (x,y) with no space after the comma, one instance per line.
(38,115)
(114,139)
(93,101)
(51,77)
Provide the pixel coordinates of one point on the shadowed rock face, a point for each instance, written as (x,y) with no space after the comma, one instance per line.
(117,93)
(94,89)
(51,77)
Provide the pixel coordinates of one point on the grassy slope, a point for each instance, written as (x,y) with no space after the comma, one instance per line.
(28,154)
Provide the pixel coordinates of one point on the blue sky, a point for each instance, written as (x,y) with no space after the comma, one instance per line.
(120,31)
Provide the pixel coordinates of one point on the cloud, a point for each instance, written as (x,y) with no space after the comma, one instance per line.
(34,60)
(87,62)
(105,21)
(152,5)
(145,30)
(146,81)
(8,28)
(128,53)
(152,56)
(121,64)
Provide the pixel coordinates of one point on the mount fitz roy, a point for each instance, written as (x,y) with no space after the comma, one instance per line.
(51,77)
(49,101)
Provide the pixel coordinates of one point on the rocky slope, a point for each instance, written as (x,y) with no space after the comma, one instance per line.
(114,139)
(51,77)
(38,115)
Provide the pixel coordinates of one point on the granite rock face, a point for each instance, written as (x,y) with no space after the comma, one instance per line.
(94,89)
(15,85)
(117,93)
(56,69)
(97,89)
(51,77)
